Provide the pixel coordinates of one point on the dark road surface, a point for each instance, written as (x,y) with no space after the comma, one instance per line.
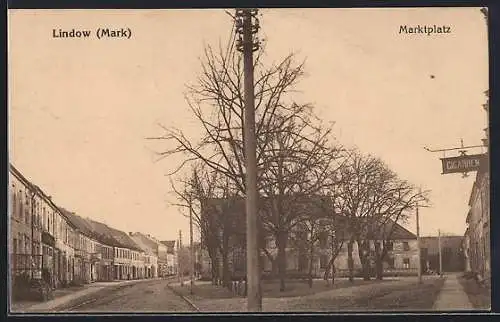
(150,296)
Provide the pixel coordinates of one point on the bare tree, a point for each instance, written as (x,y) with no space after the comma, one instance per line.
(374,200)
(396,206)
(298,160)
(353,199)
(208,196)
(293,156)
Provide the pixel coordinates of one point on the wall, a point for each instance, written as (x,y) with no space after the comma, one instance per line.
(479,225)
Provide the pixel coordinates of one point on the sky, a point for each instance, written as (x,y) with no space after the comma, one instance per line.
(80,110)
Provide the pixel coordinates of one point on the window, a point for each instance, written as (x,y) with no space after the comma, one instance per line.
(323,239)
(27,215)
(389,245)
(390,262)
(424,253)
(14,246)
(406,263)
(406,246)
(21,206)
(21,244)
(26,244)
(14,203)
(323,261)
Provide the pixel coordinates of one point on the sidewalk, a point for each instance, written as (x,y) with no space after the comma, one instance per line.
(64,300)
(452,296)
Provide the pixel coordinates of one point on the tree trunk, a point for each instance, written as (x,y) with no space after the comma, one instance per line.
(213,258)
(274,264)
(274,269)
(333,274)
(282,259)
(379,268)
(311,260)
(350,260)
(216,272)
(363,250)
(226,275)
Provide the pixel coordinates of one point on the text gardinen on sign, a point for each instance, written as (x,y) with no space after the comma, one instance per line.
(464,163)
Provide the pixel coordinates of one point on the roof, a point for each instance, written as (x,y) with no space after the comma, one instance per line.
(103,233)
(168,243)
(124,239)
(79,223)
(398,231)
(144,243)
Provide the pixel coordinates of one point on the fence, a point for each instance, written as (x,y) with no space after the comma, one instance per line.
(27,264)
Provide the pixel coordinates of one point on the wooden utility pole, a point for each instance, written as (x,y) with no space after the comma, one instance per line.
(440,256)
(419,249)
(247,26)
(179,257)
(191,242)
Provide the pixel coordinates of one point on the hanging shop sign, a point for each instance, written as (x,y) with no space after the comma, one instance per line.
(464,163)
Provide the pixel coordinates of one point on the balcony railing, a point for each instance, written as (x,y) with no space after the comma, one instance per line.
(95,257)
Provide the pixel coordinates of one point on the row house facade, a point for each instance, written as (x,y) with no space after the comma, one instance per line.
(155,248)
(160,250)
(477,235)
(41,238)
(127,263)
(149,248)
(50,243)
(86,251)
(25,223)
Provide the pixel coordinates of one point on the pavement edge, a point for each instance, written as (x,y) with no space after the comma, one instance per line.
(185,298)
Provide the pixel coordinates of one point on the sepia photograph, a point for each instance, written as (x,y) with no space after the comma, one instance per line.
(248,160)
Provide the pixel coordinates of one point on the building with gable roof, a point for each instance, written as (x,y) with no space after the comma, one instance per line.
(401,257)
(150,250)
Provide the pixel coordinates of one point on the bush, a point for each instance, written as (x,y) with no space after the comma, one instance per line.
(25,288)
(41,290)
(469,275)
(77,282)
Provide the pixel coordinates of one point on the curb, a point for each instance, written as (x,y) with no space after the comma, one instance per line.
(80,300)
(187,300)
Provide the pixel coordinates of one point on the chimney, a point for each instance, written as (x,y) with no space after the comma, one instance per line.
(130,233)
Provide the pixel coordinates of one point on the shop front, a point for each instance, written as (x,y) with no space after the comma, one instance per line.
(48,260)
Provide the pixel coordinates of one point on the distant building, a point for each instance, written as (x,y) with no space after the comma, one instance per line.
(157,248)
(128,264)
(401,258)
(150,257)
(171,257)
(452,253)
